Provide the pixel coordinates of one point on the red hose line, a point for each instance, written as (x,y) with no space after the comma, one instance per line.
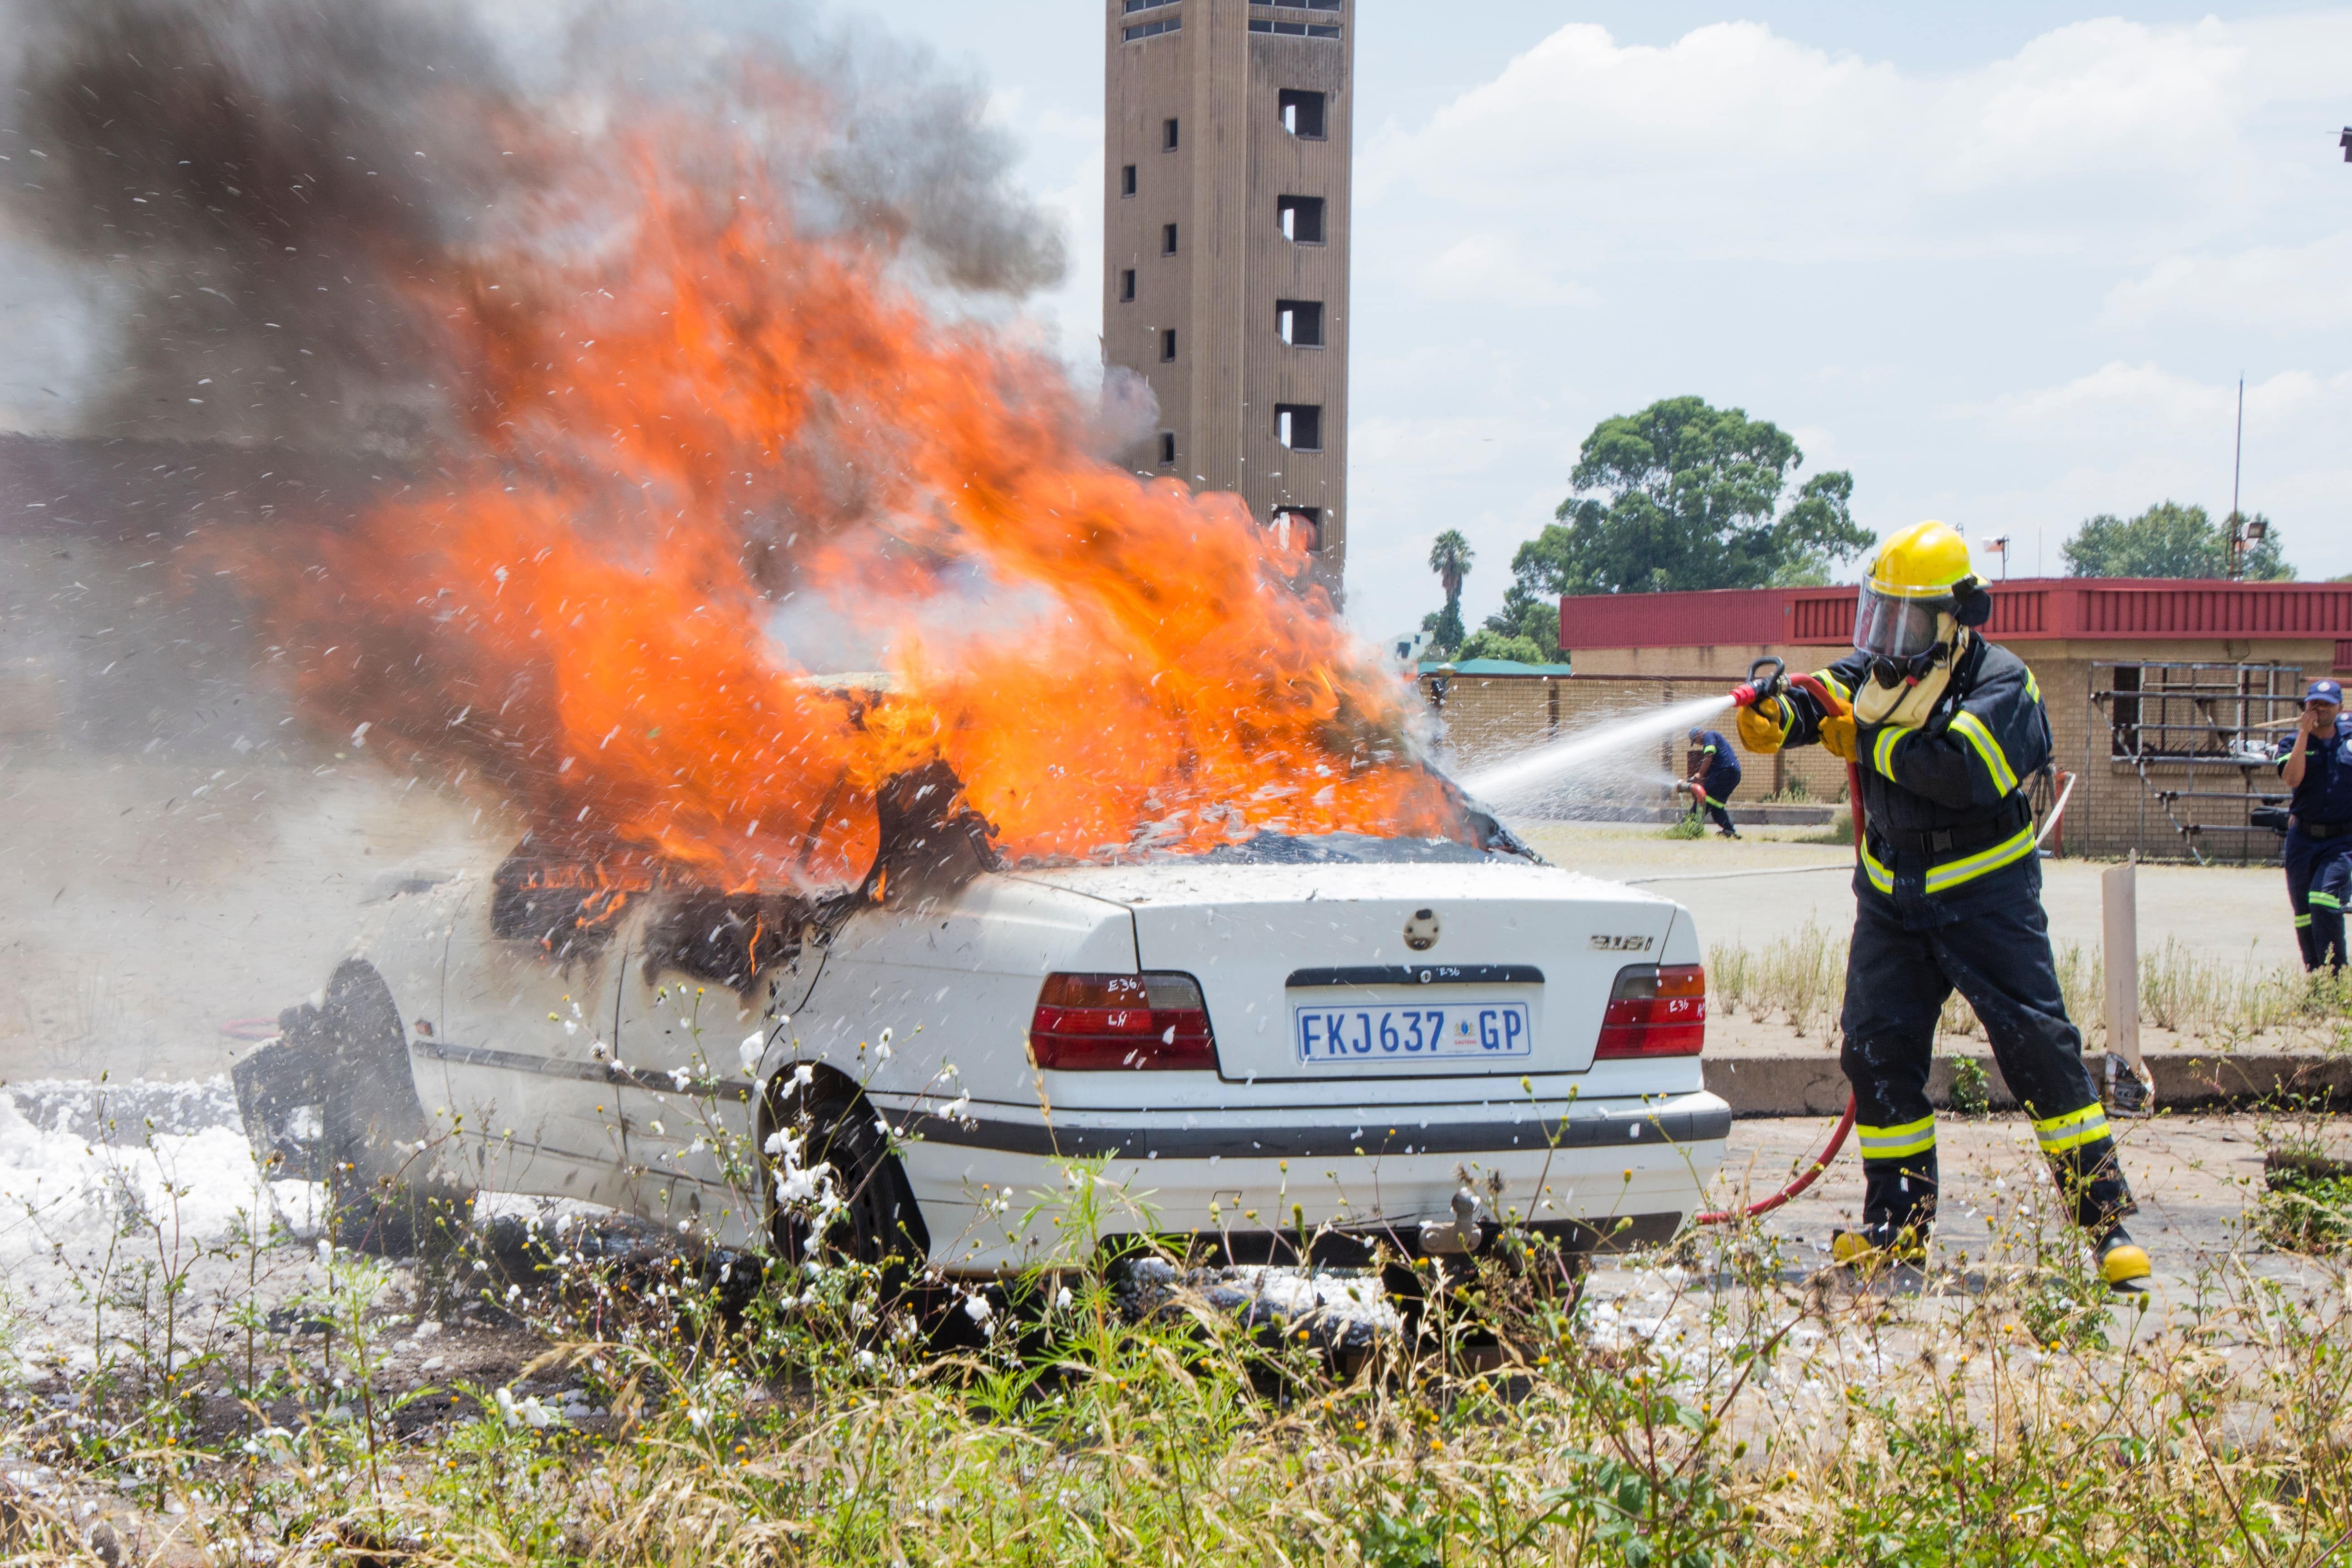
(1806,1178)
(1811,1173)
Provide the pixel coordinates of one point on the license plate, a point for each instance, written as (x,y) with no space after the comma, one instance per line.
(1450,1029)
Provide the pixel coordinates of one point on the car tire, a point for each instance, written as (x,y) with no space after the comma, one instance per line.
(880,1226)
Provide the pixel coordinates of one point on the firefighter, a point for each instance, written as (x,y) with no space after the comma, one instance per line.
(1713,777)
(2318,766)
(1944,727)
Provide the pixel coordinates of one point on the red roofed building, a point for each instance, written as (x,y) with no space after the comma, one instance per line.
(2161,693)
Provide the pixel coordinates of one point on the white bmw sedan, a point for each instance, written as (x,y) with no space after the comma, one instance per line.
(1291,1045)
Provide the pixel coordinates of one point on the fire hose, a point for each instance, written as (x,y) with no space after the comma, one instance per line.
(1757,689)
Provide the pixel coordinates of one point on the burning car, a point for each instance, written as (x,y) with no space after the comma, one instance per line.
(1287,1045)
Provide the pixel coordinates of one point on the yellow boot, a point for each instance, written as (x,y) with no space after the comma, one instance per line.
(2123,1262)
(1857,1250)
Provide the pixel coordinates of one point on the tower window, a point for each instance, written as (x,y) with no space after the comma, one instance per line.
(1127,179)
(1153,29)
(1168,239)
(1167,448)
(1167,342)
(1300,322)
(1168,136)
(1126,283)
(1303,114)
(1299,426)
(1301,218)
(1298,528)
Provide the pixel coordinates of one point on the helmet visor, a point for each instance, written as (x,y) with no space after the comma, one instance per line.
(1888,627)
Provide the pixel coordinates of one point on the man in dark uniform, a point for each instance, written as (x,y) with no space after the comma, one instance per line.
(1943,726)
(2318,766)
(1713,778)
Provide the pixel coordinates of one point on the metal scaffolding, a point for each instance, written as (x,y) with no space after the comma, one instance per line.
(2202,723)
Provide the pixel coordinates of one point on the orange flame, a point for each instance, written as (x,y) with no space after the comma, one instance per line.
(580,620)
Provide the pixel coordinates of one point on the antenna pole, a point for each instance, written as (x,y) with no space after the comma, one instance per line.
(2237,468)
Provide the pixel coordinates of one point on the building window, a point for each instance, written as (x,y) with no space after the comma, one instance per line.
(1153,29)
(1168,239)
(1167,448)
(1299,426)
(1298,528)
(1301,218)
(1168,136)
(1296,4)
(1127,179)
(1126,284)
(1292,30)
(1300,322)
(1132,6)
(1302,113)
(1167,343)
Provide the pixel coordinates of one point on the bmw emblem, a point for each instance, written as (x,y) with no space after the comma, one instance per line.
(1421,931)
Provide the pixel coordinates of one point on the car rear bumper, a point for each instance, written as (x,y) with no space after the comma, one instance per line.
(1003,1191)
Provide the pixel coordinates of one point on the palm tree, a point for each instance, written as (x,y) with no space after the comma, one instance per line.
(1450,558)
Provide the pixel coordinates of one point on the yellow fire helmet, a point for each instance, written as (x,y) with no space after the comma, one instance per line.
(1920,576)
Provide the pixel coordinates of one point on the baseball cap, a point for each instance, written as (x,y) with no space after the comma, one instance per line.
(2324,691)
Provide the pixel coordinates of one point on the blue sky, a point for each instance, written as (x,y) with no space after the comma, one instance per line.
(2004,263)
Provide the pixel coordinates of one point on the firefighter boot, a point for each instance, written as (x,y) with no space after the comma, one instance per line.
(2123,1262)
(1875,1246)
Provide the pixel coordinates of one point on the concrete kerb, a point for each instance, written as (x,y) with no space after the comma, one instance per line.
(1813,1085)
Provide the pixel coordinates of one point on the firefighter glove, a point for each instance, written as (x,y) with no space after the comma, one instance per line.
(1837,736)
(1759,725)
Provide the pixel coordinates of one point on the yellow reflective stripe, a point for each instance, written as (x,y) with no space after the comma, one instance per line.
(1972,728)
(2007,852)
(2056,1134)
(1887,1142)
(2324,901)
(1882,750)
(2032,687)
(1844,692)
(2302,920)
(1880,876)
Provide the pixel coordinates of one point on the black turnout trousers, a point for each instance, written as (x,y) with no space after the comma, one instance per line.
(1998,956)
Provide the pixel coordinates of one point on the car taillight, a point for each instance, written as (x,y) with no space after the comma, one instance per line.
(1101,1023)
(1655,1010)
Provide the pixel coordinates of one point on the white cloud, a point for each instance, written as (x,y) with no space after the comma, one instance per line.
(1490,266)
(2012,292)
(2147,397)
(1736,141)
(2284,287)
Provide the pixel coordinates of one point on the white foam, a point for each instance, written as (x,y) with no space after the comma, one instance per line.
(62,1186)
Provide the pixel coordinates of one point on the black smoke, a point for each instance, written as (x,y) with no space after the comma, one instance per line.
(265,183)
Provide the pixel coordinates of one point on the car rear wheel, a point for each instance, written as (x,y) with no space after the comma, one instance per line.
(879,1226)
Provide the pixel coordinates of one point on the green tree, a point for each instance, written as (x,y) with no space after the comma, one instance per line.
(2168,540)
(1690,497)
(1529,614)
(1488,643)
(1450,558)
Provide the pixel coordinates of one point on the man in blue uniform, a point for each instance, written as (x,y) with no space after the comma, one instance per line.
(1713,779)
(1944,727)
(2318,766)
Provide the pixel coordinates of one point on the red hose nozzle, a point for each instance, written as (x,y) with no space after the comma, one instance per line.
(1743,696)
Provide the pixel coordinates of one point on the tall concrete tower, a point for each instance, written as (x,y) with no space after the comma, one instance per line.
(1228,130)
